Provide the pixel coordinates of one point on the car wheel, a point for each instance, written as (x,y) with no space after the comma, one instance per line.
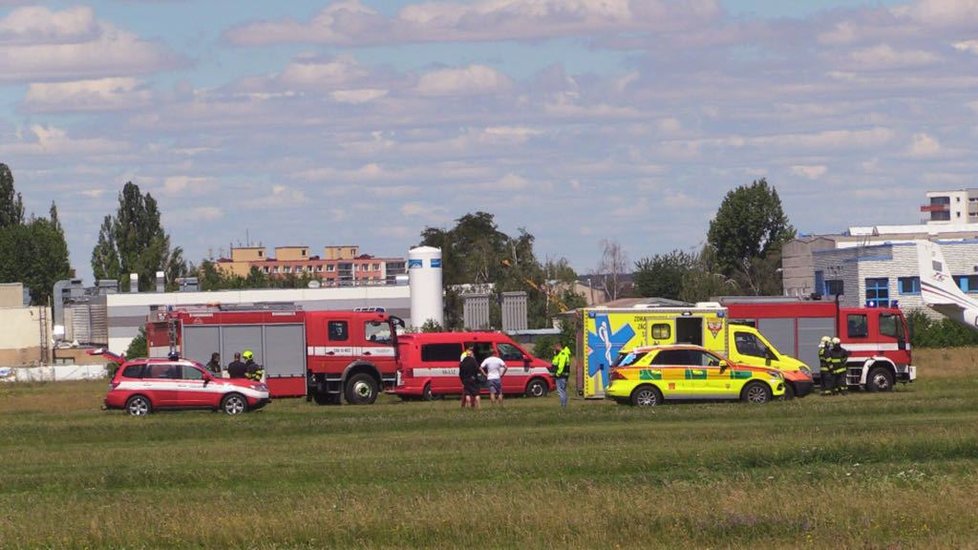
(234,404)
(879,379)
(138,405)
(426,394)
(646,396)
(789,391)
(361,389)
(756,392)
(536,388)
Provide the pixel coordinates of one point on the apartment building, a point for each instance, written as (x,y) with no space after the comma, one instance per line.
(339,265)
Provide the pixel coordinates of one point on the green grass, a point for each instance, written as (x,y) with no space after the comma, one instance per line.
(897,470)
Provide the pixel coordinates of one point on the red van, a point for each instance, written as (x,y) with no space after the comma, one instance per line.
(429,364)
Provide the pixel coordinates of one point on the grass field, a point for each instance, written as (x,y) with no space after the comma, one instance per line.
(897,470)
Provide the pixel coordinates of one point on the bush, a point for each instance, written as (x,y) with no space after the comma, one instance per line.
(138,347)
(945,333)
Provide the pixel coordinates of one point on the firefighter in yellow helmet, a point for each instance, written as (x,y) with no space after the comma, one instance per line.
(826,375)
(253,371)
(839,356)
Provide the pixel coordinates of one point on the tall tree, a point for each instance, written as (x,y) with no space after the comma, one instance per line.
(34,253)
(663,275)
(11,204)
(133,241)
(747,234)
(475,252)
(612,268)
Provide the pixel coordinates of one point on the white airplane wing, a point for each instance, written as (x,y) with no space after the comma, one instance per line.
(938,289)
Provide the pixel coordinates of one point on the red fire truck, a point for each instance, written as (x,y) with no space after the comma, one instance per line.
(325,355)
(877,338)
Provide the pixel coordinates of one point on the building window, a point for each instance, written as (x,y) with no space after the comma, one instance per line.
(286,269)
(909,285)
(967,283)
(330,268)
(878,292)
(261,253)
(834,287)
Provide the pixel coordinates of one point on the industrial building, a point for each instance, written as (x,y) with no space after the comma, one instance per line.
(878,264)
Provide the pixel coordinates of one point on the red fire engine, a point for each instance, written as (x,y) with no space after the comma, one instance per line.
(877,338)
(324,355)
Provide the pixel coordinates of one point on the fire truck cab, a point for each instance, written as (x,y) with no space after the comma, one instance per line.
(877,338)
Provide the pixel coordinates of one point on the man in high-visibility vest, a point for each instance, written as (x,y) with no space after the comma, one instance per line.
(560,365)
(826,372)
(839,357)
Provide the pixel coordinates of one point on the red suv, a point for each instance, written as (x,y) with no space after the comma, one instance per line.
(141,386)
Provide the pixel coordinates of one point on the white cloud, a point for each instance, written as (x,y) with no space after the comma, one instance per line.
(812,172)
(104,94)
(969,46)
(40,44)
(471,80)
(331,73)
(356,97)
(883,56)
(207,213)
(941,13)
(350,22)
(924,145)
(54,141)
(188,185)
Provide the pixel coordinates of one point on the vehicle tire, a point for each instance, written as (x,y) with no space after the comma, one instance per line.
(138,405)
(536,388)
(756,392)
(426,394)
(234,404)
(646,396)
(879,379)
(361,389)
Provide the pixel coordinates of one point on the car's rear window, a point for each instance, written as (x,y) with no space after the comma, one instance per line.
(133,371)
(629,358)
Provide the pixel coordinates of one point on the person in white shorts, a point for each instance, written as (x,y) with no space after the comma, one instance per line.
(494,368)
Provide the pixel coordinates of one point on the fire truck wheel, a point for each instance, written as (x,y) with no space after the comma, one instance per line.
(879,379)
(323,398)
(234,404)
(756,392)
(138,405)
(646,396)
(361,389)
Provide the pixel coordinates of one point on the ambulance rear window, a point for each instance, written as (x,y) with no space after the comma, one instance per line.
(661,331)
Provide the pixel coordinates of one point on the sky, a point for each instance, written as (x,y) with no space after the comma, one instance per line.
(365,121)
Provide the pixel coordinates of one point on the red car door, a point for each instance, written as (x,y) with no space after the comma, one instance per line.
(192,391)
(161,383)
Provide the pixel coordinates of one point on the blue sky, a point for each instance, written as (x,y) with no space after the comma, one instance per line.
(361,121)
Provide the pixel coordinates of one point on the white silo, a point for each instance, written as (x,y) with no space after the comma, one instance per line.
(424,272)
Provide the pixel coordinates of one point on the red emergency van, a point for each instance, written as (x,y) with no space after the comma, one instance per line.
(429,364)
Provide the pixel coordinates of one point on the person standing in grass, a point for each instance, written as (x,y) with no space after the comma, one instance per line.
(825,369)
(236,368)
(493,368)
(468,372)
(838,357)
(560,365)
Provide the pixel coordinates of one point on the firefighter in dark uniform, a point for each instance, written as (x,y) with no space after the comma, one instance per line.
(826,372)
(253,371)
(839,356)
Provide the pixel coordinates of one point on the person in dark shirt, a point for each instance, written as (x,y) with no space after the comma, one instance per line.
(214,365)
(237,368)
(468,372)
